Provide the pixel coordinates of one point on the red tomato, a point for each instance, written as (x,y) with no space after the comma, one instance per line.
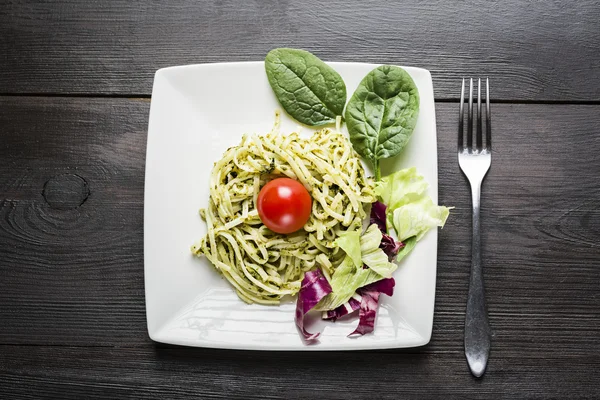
(284,205)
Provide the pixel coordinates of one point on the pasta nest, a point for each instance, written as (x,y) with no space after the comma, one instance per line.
(264,266)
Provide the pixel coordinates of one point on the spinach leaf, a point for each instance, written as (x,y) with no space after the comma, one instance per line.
(308,89)
(382,114)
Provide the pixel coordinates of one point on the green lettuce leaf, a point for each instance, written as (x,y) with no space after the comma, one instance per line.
(401,187)
(372,255)
(409,245)
(350,275)
(409,210)
(418,217)
(349,241)
(344,283)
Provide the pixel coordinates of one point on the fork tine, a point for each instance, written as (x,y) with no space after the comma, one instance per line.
(470,119)
(479,130)
(461,116)
(488,117)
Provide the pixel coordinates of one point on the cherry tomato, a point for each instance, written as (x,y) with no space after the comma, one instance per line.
(284,205)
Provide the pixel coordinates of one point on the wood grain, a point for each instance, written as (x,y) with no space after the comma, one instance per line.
(72,297)
(178,373)
(536,51)
(79,269)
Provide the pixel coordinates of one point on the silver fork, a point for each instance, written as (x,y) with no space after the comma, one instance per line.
(475,160)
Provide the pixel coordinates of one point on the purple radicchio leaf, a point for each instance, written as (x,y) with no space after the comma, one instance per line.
(378,216)
(389,246)
(347,308)
(370,303)
(314,288)
(385,286)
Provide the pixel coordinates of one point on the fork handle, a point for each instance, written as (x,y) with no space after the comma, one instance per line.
(477,327)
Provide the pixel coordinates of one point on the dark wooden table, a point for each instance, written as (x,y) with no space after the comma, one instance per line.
(75,84)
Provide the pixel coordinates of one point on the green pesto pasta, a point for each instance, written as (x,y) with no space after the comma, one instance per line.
(264,266)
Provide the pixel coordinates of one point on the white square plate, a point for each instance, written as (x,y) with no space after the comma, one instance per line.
(197,112)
